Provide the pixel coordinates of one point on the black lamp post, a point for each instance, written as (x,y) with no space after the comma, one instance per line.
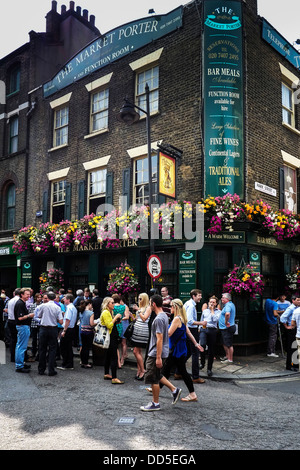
(128,115)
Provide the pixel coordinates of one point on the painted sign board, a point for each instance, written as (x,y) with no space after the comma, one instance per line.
(112,46)
(223,98)
(281,45)
(187,273)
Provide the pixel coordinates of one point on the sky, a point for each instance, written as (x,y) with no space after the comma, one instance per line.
(18,17)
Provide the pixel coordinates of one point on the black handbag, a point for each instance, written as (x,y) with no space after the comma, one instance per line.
(129,331)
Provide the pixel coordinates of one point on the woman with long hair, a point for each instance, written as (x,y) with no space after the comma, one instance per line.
(87,324)
(140,336)
(208,332)
(108,319)
(178,332)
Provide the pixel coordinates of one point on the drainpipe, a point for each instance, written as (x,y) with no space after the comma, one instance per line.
(28,115)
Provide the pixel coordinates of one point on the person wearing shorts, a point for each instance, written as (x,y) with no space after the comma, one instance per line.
(157,355)
(227,326)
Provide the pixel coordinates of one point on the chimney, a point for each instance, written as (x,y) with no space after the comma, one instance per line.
(53,21)
(72,6)
(85,14)
(92,20)
(78,10)
(63,9)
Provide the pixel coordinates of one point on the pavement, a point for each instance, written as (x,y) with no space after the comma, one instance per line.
(252,367)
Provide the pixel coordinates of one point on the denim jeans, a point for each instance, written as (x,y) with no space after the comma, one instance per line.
(21,346)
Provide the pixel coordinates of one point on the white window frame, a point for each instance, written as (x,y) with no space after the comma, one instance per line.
(97,87)
(288,111)
(61,127)
(102,98)
(289,82)
(13,134)
(58,105)
(100,194)
(148,76)
(147,65)
(60,202)
(141,200)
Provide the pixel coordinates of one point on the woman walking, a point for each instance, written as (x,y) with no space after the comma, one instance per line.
(178,332)
(111,355)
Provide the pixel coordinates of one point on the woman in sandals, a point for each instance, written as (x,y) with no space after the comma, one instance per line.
(108,319)
(178,332)
(140,336)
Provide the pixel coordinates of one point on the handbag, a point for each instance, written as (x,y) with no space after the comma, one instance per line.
(129,331)
(102,337)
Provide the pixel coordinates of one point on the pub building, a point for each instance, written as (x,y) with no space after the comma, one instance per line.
(215,88)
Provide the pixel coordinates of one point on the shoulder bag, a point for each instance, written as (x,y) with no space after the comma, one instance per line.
(101,337)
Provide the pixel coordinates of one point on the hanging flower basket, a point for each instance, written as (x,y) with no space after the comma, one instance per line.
(244,281)
(293,281)
(123,280)
(52,278)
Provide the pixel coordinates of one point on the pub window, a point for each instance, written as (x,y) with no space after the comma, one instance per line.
(58,201)
(10,206)
(99,111)
(13,134)
(141,180)
(14,79)
(150,77)
(97,189)
(288,106)
(61,126)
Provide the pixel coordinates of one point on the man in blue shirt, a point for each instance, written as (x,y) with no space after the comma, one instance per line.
(286,320)
(227,326)
(271,314)
(67,335)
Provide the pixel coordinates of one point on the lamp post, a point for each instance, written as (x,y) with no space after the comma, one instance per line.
(128,115)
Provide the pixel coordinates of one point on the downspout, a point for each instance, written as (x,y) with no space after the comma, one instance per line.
(28,115)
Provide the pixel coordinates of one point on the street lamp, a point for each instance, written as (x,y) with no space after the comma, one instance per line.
(128,115)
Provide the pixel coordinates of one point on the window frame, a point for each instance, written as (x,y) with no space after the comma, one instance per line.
(140,92)
(9,207)
(14,79)
(290,111)
(96,195)
(58,129)
(144,183)
(101,111)
(60,202)
(13,137)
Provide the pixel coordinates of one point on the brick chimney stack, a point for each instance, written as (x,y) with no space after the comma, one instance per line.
(54,19)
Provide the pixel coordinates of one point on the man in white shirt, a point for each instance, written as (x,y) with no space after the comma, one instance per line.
(50,315)
(67,335)
(193,324)
(295,323)
(11,322)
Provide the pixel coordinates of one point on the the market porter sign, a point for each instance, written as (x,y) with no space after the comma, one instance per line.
(114,45)
(223,98)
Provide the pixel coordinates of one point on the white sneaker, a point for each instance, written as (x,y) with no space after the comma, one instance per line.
(272,355)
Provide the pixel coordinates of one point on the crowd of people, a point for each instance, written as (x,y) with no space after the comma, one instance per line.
(284,315)
(166,333)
